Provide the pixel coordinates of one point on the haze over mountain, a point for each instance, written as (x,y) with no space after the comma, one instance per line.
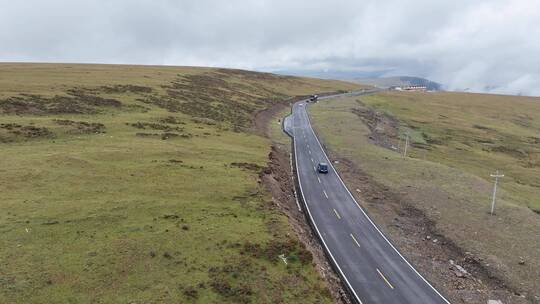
(489,46)
(387,82)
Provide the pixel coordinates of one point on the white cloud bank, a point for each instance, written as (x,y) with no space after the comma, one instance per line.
(477,45)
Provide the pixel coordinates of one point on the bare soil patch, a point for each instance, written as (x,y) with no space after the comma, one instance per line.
(383,127)
(247,166)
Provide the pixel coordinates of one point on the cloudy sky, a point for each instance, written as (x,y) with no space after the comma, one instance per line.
(477,45)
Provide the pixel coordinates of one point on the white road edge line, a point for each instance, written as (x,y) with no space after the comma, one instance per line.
(369,219)
(317,228)
(294,188)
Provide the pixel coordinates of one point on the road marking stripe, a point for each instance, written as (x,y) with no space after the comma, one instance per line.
(354,239)
(384,278)
(325,194)
(337,214)
(319,179)
(309,152)
(312,160)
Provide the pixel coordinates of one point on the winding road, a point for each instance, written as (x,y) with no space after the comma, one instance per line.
(372,268)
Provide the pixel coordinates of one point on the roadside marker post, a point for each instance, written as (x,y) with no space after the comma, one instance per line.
(496,176)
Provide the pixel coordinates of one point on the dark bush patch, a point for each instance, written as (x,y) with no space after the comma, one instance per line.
(77,103)
(82,127)
(155,126)
(514,152)
(172,120)
(480,127)
(164,136)
(33,132)
(170,216)
(146,134)
(93,99)
(51,222)
(15,131)
(125,88)
(230,282)
(168,135)
(191,292)
(205,121)
(211,96)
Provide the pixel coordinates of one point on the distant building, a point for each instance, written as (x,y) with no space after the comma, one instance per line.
(415,88)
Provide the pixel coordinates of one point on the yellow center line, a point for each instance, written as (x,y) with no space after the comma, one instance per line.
(337,214)
(384,278)
(354,239)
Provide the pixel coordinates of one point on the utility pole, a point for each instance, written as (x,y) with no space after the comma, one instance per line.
(496,176)
(406,145)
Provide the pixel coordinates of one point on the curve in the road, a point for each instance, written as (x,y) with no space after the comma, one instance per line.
(372,268)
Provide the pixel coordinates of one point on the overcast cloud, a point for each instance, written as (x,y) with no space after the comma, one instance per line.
(480,45)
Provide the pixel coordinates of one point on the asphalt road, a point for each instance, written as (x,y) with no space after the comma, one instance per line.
(371,266)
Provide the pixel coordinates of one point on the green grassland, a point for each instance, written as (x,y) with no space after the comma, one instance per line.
(457,141)
(132,184)
(478,133)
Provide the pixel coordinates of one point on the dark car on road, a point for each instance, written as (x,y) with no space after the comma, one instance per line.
(322,168)
(313,98)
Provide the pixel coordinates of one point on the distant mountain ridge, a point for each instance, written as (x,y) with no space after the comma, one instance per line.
(386,82)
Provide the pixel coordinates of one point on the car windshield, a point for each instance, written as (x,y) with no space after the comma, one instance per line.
(323,166)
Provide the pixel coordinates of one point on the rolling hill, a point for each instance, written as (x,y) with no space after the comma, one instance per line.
(141,184)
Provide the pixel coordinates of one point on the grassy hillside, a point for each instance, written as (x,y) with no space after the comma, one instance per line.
(458,140)
(131,184)
(478,133)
